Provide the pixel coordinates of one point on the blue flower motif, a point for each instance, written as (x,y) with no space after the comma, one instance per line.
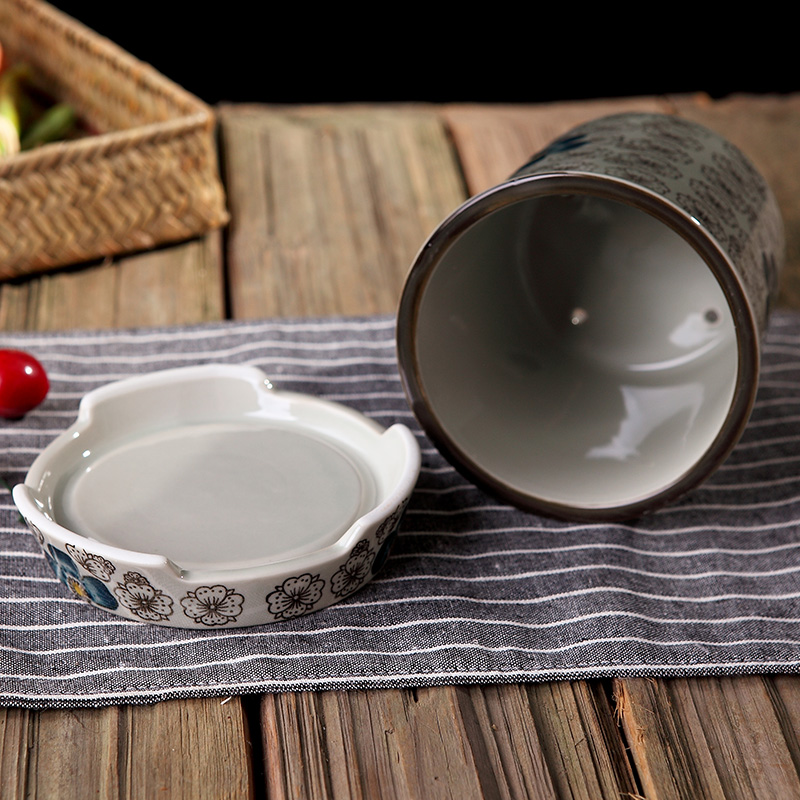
(87,587)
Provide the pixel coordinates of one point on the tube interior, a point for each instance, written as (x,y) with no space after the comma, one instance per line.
(577,350)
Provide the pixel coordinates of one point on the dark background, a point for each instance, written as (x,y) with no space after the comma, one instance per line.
(253,52)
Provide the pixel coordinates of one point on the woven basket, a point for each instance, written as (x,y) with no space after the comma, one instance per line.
(148,176)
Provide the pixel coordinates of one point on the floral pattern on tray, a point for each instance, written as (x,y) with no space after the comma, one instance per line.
(92,577)
(95,565)
(355,571)
(296,596)
(87,587)
(212,606)
(140,597)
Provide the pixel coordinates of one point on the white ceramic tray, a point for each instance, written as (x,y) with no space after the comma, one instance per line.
(204,497)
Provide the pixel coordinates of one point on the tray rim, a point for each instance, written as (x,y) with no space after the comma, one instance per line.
(371,531)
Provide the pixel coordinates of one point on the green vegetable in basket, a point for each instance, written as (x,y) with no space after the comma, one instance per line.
(55,123)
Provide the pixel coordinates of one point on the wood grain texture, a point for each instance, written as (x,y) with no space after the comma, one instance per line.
(182,749)
(581,741)
(505,741)
(179,285)
(499,742)
(384,744)
(711,738)
(330,206)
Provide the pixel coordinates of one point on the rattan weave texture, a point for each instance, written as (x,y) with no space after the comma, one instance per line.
(146,175)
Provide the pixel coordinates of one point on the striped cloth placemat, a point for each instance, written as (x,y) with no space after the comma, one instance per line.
(475,591)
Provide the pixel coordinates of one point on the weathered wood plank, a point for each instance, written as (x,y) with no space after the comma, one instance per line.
(330,206)
(393,744)
(178,285)
(581,743)
(710,738)
(784,692)
(542,741)
(505,741)
(666,763)
(17,737)
(186,749)
(183,749)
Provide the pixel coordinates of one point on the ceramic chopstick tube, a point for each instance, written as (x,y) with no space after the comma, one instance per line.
(583,339)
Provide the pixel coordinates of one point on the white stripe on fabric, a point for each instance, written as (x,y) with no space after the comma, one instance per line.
(714,579)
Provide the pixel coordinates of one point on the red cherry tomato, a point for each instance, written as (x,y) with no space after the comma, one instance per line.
(23,383)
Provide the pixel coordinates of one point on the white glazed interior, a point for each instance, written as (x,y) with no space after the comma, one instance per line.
(576,350)
(215,471)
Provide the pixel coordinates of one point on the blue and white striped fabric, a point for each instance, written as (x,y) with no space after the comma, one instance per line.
(475,591)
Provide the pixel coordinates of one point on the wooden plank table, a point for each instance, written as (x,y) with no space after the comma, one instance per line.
(328,207)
